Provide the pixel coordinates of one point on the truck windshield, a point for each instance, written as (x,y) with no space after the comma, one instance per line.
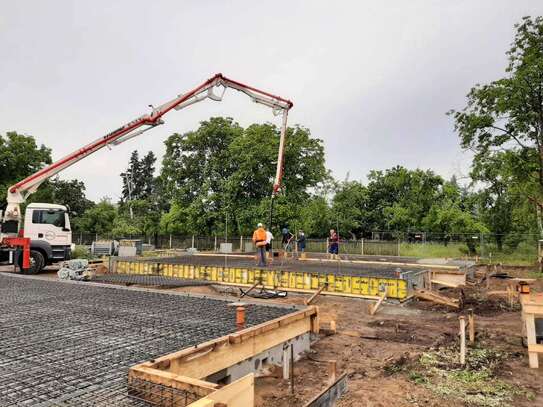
(49,217)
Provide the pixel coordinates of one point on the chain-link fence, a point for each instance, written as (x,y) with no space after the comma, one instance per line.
(518,247)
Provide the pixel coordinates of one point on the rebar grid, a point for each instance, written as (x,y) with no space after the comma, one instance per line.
(65,344)
(149,280)
(158,395)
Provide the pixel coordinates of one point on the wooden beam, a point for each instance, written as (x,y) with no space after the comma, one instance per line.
(235,351)
(437,298)
(236,394)
(531,339)
(314,296)
(445,283)
(374,308)
(448,278)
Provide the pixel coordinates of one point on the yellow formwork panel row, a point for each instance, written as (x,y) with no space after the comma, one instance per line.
(294,280)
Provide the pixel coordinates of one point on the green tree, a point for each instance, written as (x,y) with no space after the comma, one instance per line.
(223,171)
(138,180)
(350,209)
(98,219)
(20,157)
(398,198)
(507,114)
(447,219)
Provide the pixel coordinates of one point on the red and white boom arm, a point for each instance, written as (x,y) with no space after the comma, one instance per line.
(214,89)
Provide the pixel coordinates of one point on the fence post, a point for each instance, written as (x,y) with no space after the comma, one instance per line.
(215,245)
(327,245)
(241,244)
(96,237)
(170,241)
(362,246)
(80,238)
(192,241)
(398,247)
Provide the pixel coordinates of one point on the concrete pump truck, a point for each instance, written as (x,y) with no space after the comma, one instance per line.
(45,237)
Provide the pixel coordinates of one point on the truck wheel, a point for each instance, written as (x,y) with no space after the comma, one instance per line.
(36,262)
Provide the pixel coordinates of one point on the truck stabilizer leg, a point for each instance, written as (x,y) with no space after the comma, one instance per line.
(21,243)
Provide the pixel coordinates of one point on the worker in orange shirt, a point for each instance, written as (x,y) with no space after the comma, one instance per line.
(259,239)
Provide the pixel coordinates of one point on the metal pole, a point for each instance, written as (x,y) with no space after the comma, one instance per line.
(170,241)
(192,241)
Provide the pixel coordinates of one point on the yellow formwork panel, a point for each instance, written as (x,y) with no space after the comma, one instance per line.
(294,280)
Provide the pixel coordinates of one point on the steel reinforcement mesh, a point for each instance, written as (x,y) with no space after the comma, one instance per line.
(149,280)
(65,344)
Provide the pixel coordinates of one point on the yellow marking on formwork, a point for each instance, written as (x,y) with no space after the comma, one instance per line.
(300,281)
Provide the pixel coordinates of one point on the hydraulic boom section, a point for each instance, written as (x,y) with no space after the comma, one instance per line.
(214,88)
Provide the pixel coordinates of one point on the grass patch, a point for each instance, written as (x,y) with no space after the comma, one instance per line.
(433,250)
(81,252)
(475,384)
(523,255)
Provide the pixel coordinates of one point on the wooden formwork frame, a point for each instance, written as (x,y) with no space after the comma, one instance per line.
(285,280)
(187,369)
(532,308)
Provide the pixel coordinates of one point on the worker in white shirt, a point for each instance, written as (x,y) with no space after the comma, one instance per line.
(269,238)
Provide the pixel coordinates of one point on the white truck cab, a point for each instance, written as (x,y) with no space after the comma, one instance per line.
(49,223)
(48,227)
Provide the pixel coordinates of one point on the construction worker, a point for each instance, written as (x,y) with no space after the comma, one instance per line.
(333,244)
(259,239)
(286,240)
(301,244)
(269,238)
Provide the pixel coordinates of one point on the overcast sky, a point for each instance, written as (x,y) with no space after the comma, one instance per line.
(373,79)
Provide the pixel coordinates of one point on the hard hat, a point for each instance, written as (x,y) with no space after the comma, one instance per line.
(259,225)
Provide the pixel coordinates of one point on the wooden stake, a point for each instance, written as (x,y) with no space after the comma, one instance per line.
(510,296)
(332,371)
(462,340)
(471,325)
(286,363)
(314,296)
(291,369)
(373,308)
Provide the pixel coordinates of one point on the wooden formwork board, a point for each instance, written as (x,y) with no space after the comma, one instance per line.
(356,286)
(447,278)
(187,369)
(532,308)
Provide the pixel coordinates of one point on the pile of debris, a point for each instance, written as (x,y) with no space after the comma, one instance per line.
(77,269)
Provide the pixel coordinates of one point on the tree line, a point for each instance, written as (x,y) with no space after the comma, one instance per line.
(220,175)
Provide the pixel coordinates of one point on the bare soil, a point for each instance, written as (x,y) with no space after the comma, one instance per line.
(399,335)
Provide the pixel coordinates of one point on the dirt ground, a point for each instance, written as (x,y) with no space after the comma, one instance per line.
(380,352)
(402,333)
